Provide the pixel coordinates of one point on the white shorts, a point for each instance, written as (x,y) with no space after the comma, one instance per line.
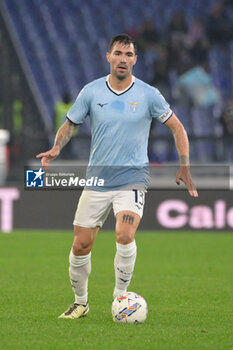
(94,206)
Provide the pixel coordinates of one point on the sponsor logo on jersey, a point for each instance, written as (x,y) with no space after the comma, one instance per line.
(101,104)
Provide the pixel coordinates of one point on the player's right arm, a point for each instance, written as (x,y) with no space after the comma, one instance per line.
(75,116)
(62,137)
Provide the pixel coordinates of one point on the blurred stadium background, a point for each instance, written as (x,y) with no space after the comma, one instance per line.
(50,49)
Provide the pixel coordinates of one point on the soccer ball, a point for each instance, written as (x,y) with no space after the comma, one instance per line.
(130,307)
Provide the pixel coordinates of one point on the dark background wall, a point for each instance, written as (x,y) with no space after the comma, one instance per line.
(164,210)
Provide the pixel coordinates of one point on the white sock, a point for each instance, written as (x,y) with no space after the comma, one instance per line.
(124,265)
(79,271)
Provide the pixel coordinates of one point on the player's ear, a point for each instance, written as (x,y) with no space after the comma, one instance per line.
(108,56)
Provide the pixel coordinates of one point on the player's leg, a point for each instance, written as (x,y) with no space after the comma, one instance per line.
(126,226)
(126,250)
(80,261)
(80,269)
(127,222)
(89,217)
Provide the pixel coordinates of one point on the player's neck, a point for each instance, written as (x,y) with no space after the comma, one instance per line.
(119,85)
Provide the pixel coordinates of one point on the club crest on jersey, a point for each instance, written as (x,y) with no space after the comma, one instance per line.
(134,105)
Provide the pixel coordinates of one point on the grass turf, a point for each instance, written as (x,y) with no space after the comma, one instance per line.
(185,278)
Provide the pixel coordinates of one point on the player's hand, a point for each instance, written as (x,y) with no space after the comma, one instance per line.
(47,157)
(185,176)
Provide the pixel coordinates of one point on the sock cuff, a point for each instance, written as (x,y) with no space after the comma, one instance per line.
(126,250)
(79,261)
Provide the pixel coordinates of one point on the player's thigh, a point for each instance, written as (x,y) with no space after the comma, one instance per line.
(84,238)
(93,209)
(128,209)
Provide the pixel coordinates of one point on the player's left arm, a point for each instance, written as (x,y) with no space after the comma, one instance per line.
(182,146)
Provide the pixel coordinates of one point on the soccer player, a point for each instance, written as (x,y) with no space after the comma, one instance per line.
(121,108)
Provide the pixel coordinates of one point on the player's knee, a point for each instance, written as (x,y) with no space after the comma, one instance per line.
(125,236)
(81,247)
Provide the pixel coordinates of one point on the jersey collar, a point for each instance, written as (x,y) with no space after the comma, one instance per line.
(116,91)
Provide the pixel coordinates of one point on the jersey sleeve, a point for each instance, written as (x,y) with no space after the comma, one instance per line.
(80,108)
(159,108)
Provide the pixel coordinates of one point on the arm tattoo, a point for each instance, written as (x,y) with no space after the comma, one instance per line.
(64,134)
(128,219)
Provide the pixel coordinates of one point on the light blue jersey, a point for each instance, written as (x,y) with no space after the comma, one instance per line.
(120,125)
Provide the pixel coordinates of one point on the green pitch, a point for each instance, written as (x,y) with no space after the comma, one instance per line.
(185,278)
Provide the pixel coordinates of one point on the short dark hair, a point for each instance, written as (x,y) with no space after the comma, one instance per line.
(124,39)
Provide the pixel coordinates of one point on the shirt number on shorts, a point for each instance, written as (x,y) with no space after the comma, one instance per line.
(139,198)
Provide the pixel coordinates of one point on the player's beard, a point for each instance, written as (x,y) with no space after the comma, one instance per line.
(122,76)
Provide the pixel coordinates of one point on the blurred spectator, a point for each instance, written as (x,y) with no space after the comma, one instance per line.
(196,31)
(219,25)
(226,120)
(199,52)
(177,26)
(160,71)
(77,148)
(148,37)
(61,109)
(148,42)
(197,86)
(17,118)
(133,32)
(178,55)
